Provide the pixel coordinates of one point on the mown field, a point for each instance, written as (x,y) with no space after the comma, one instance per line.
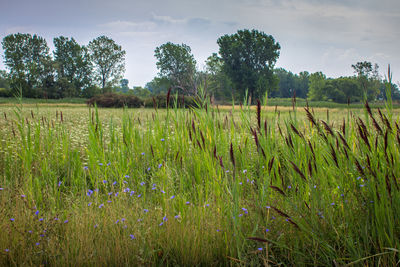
(210,187)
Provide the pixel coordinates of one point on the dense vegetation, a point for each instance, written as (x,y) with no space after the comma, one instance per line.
(199,186)
(244,63)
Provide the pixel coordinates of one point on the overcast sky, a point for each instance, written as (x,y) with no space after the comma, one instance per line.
(314,35)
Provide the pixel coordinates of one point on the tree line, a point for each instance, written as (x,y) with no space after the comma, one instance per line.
(73,70)
(244,65)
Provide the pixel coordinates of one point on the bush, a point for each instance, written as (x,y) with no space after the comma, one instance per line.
(161,101)
(112,100)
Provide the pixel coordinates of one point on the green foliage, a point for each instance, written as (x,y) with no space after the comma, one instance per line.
(140,92)
(290,83)
(28,59)
(73,66)
(217,82)
(108,59)
(159,85)
(317,87)
(248,60)
(114,100)
(176,63)
(160,101)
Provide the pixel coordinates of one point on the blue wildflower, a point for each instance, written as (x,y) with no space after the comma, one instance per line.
(66,221)
(12,219)
(101,205)
(86,167)
(260,249)
(115,182)
(165,218)
(89,204)
(104,181)
(146,210)
(59,183)
(36,212)
(162,139)
(187,202)
(41,219)
(172,197)
(127,176)
(159,165)
(132,237)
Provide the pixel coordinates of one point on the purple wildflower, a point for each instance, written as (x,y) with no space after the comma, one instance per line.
(172,197)
(89,204)
(66,221)
(132,237)
(12,219)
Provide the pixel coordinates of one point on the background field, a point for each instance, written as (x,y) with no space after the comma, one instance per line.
(211,186)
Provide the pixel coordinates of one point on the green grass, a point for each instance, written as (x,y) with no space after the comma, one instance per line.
(210,187)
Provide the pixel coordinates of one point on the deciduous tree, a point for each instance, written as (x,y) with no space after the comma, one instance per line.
(108,59)
(176,63)
(249,58)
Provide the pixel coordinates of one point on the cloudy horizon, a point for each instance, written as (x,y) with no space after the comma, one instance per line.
(314,35)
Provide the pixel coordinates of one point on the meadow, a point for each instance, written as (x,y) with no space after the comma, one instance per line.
(211,186)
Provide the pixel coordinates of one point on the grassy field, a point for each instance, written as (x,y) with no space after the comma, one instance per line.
(243,186)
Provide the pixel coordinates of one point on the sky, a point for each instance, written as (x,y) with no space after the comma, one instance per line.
(315,35)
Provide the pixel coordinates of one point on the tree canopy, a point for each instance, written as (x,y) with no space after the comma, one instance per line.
(108,59)
(176,63)
(248,59)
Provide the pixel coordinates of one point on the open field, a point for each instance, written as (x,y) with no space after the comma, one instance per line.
(84,186)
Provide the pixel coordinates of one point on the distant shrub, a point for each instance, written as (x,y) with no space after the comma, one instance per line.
(4,92)
(161,101)
(113,100)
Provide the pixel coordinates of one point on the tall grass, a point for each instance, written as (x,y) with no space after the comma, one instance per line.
(199,187)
